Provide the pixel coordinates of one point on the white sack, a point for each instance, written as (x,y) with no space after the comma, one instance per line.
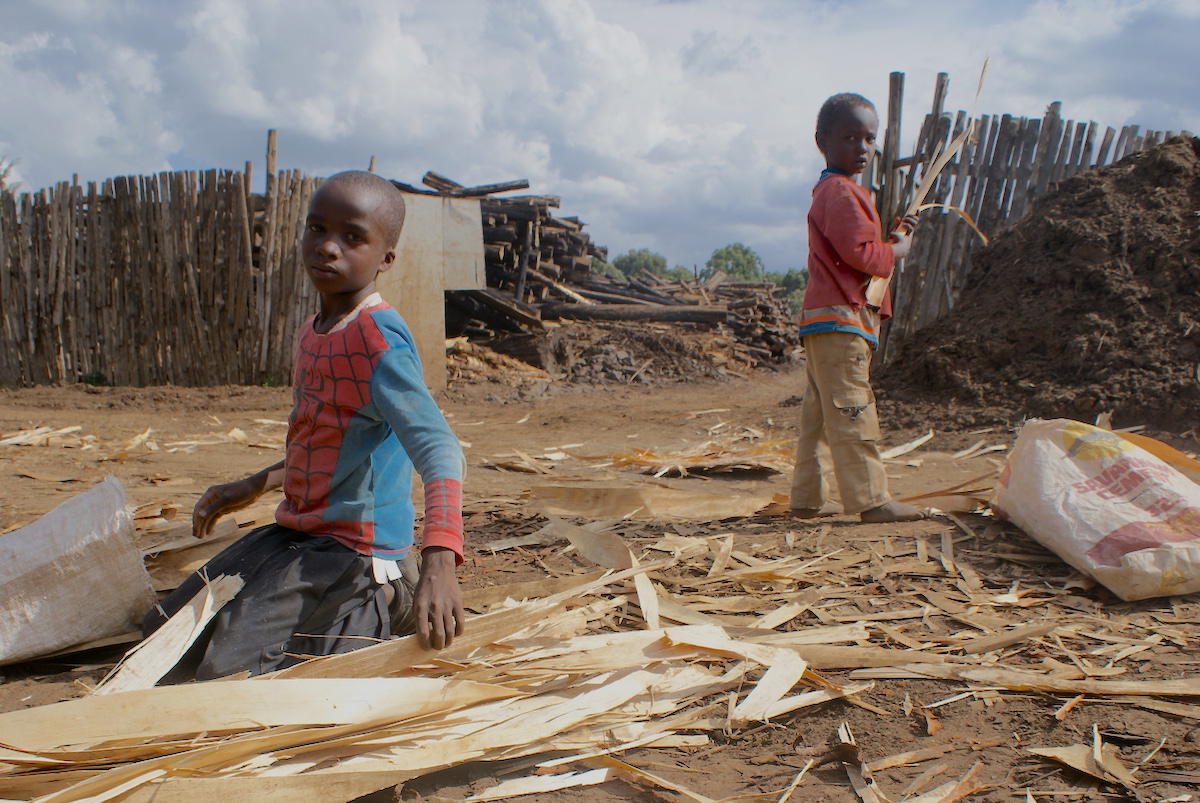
(1106,506)
(72,576)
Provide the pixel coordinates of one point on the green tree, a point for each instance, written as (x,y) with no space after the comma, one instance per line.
(794,282)
(602,268)
(633,262)
(679,274)
(738,262)
(6,168)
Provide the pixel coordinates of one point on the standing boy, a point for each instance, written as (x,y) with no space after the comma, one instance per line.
(839,424)
(336,570)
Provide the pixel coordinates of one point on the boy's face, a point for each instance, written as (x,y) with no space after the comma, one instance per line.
(345,243)
(850,141)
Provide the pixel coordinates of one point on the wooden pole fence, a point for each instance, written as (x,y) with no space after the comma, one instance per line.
(1007,164)
(178,278)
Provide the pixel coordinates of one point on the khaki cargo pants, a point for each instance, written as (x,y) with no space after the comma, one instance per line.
(839,426)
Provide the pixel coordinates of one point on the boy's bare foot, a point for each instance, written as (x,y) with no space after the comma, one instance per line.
(827,509)
(892,511)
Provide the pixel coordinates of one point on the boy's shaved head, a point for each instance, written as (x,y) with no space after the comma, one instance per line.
(838,105)
(392,207)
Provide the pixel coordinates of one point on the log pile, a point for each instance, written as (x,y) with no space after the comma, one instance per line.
(747,320)
(528,251)
(539,270)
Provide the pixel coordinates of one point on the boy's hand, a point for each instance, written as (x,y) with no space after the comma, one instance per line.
(901,238)
(221,499)
(437,601)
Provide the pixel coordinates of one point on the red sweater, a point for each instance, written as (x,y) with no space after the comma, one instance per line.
(845,246)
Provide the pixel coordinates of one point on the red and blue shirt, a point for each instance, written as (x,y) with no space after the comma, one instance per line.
(845,249)
(362,420)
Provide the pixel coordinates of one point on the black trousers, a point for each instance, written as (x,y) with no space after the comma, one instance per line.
(303,596)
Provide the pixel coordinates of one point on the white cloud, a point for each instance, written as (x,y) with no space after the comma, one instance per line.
(710,53)
(679,126)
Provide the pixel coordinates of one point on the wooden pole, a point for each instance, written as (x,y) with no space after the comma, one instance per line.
(1047,147)
(523,263)
(1105,145)
(889,200)
(272,140)
(636,312)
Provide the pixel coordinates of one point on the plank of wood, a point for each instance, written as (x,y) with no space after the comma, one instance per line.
(634,312)
(1131,141)
(1122,139)
(1105,146)
(1084,161)
(1063,157)
(489,189)
(1031,133)
(1047,147)
(508,305)
(523,262)
(1071,166)
(440,182)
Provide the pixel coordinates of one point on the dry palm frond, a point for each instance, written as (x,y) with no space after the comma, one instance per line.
(961,213)
(877,286)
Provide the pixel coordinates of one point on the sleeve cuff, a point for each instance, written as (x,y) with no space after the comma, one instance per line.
(443,517)
(451,541)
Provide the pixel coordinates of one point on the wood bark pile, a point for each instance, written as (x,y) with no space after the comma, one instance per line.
(664,647)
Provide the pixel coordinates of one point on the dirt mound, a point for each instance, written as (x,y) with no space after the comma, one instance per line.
(1091,302)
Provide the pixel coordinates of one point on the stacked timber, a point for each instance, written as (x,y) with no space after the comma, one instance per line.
(527,250)
(539,269)
(531,253)
(698,328)
(758,322)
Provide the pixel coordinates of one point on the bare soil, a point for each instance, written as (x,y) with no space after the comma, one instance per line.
(496,419)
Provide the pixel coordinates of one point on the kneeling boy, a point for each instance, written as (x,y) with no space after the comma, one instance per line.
(336,571)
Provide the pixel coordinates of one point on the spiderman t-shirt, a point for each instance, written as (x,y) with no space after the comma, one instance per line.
(362,420)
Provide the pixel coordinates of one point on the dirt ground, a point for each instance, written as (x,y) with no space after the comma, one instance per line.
(495,420)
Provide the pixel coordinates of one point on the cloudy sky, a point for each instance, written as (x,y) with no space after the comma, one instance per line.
(679,126)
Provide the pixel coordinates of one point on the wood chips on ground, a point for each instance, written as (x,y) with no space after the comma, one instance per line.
(683,639)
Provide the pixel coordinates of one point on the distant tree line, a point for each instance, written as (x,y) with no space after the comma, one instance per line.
(737,261)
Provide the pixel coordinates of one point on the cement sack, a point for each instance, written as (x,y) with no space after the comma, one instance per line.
(1114,510)
(72,576)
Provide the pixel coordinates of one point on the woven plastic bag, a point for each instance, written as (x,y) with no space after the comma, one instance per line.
(1114,510)
(74,575)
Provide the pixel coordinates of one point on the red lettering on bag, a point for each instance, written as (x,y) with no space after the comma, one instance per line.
(1138,535)
(1123,477)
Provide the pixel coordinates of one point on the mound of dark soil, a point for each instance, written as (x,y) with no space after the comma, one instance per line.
(1089,303)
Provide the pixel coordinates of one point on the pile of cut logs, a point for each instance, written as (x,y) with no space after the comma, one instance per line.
(539,268)
(754,315)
